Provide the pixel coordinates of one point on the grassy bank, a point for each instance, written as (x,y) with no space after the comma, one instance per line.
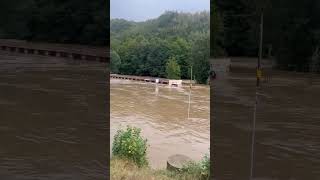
(124,169)
(129,161)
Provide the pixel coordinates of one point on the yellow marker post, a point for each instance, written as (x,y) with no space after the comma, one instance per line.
(259,73)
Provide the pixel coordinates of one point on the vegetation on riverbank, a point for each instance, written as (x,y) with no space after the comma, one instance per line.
(145,48)
(68,21)
(126,169)
(130,145)
(291,31)
(129,161)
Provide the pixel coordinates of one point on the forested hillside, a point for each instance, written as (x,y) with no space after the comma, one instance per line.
(61,21)
(291,30)
(166,46)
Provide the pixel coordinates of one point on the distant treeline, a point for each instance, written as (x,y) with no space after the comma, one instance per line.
(167,46)
(59,21)
(291,30)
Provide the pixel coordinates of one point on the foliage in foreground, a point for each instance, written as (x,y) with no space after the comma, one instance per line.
(129,161)
(122,169)
(130,145)
(201,169)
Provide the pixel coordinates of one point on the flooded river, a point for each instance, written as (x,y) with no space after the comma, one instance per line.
(287,127)
(52,118)
(162,114)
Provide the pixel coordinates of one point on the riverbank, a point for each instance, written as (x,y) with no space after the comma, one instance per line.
(129,160)
(123,169)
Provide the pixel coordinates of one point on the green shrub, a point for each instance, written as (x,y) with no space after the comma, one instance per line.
(200,170)
(205,166)
(130,145)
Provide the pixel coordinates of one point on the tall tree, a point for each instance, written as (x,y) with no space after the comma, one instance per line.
(115,61)
(200,58)
(216,31)
(173,69)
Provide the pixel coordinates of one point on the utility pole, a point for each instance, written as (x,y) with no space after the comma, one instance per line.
(191,78)
(260,51)
(190,93)
(259,75)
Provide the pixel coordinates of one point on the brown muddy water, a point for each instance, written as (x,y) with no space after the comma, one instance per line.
(287,127)
(52,118)
(162,114)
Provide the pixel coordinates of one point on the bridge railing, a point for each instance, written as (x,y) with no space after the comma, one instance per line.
(60,50)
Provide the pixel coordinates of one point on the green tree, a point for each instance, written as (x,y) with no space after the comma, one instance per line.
(145,47)
(173,69)
(115,61)
(200,57)
(180,49)
(157,57)
(216,32)
(68,21)
(290,26)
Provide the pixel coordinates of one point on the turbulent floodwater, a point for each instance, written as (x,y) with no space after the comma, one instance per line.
(162,114)
(52,118)
(287,127)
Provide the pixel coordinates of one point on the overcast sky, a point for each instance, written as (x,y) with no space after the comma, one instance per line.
(140,10)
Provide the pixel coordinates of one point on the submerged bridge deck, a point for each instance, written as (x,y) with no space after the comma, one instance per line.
(146,79)
(58,50)
(140,78)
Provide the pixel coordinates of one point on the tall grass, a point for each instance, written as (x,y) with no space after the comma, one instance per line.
(201,169)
